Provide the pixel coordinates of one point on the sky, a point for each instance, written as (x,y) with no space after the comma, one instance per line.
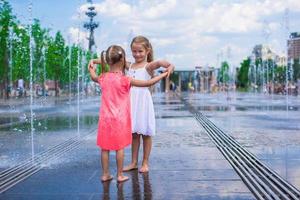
(187,33)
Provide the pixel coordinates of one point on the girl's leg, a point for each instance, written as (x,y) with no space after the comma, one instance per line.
(120,159)
(105,165)
(147,145)
(134,152)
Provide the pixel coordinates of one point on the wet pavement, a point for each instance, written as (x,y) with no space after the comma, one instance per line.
(184,164)
(268,126)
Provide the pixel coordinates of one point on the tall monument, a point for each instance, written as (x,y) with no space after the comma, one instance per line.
(91,25)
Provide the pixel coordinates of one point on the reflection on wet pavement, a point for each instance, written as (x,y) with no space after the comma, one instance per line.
(184,163)
(266,125)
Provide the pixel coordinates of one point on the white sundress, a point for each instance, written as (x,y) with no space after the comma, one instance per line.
(142,111)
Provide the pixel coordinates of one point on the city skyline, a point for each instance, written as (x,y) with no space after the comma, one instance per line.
(190,34)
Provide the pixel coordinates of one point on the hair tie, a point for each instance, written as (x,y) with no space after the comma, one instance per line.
(120,52)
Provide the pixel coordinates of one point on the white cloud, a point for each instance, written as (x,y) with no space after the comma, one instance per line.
(276,46)
(159,10)
(274,26)
(159,42)
(294,5)
(217,17)
(233,53)
(110,8)
(77,36)
(196,41)
(114,8)
(229,18)
(195,29)
(107,8)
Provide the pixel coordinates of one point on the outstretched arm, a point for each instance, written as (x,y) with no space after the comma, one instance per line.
(96,61)
(142,83)
(160,63)
(93,74)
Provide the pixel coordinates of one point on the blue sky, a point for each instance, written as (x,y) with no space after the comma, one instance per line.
(187,33)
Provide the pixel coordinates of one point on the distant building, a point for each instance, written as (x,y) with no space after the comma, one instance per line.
(280,60)
(264,52)
(183,77)
(207,78)
(294,46)
(199,79)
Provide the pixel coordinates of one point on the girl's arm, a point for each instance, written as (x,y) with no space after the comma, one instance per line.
(142,83)
(160,63)
(93,74)
(96,61)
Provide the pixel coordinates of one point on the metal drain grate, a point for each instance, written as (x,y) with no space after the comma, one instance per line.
(260,179)
(16,174)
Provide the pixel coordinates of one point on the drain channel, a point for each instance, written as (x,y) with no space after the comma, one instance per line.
(262,181)
(18,173)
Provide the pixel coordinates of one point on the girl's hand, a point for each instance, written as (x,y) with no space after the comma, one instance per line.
(170,70)
(91,66)
(92,71)
(164,74)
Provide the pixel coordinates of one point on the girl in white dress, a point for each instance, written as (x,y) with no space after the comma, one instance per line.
(142,111)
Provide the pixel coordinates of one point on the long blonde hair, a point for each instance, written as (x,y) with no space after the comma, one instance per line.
(113,55)
(146,44)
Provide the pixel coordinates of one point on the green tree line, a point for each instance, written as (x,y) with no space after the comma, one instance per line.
(52,58)
(271,72)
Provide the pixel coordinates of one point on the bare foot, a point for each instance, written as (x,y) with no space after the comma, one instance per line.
(105,178)
(122,178)
(144,169)
(130,167)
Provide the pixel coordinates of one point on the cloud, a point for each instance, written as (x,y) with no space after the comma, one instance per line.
(77,36)
(160,42)
(160,9)
(233,53)
(114,8)
(216,17)
(237,17)
(109,8)
(196,29)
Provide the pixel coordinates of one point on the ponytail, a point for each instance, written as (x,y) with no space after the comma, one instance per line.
(112,55)
(150,56)
(103,62)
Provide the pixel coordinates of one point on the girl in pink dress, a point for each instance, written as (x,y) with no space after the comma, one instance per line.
(114,129)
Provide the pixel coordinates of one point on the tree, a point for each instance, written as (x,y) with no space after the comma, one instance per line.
(6,21)
(223,75)
(47,51)
(20,53)
(242,77)
(40,37)
(280,74)
(73,66)
(54,60)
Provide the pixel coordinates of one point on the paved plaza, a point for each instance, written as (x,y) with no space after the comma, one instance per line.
(184,164)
